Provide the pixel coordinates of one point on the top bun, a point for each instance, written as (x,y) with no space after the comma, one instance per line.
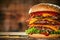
(45,7)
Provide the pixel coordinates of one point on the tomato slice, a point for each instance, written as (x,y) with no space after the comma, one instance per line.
(45,33)
(41,12)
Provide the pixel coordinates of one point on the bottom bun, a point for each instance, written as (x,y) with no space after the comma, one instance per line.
(43,36)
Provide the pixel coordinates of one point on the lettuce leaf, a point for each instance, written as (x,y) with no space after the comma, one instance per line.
(32,30)
(36,31)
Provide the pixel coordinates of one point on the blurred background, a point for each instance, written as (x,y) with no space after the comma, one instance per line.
(14,13)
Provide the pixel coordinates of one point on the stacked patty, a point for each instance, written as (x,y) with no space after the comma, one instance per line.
(44,19)
(44,22)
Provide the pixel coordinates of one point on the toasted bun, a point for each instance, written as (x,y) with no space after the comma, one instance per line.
(45,7)
(43,36)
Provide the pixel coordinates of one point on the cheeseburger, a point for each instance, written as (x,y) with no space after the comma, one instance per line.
(44,21)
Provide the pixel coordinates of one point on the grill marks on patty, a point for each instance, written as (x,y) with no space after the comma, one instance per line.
(55,28)
(42,17)
(44,29)
(47,22)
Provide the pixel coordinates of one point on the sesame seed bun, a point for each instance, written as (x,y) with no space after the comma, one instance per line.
(44,7)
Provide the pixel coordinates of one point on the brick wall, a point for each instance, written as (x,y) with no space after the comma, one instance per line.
(16,12)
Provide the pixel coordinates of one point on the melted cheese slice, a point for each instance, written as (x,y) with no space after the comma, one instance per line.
(32,20)
(48,19)
(52,27)
(46,14)
(48,26)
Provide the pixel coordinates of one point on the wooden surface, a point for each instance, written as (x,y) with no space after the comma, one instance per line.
(21,36)
(13,35)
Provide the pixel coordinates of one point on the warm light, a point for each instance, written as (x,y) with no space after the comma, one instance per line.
(46,14)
